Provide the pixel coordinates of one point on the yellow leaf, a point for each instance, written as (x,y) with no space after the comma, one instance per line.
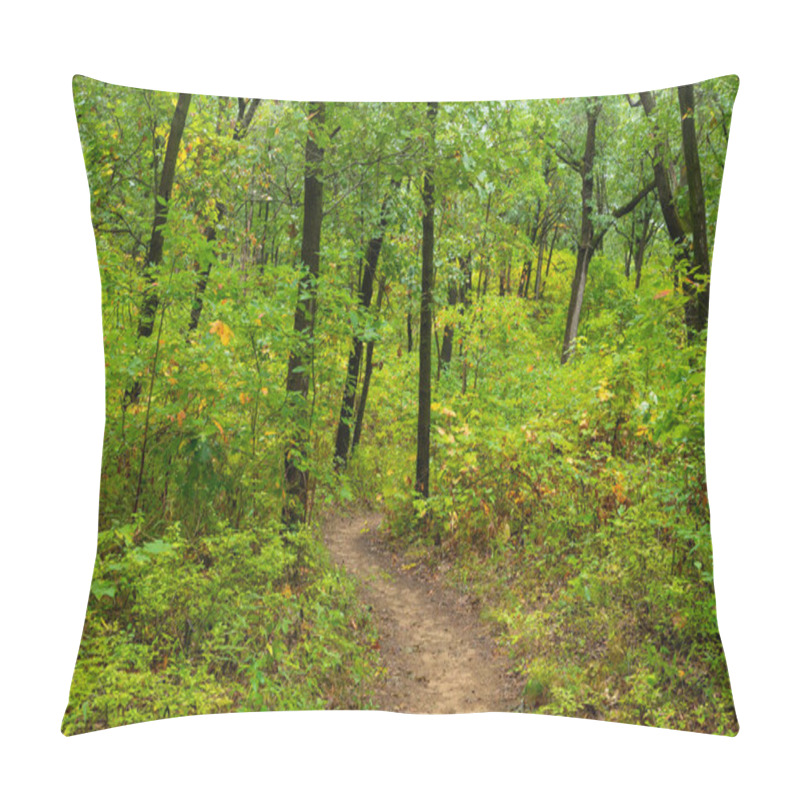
(602,393)
(218,427)
(222,330)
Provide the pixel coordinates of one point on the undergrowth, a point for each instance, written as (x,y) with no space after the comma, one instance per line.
(229,621)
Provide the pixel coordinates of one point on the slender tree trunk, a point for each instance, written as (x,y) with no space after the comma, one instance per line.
(486,269)
(586,245)
(446,353)
(297,379)
(155,252)
(204,273)
(641,246)
(663,188)
(550,254)
(533,231)
(357,348)
(463,295)
(549,259)
(697,307)
(590,239)
(421,482)
(630,248)
(524,278)
(246,113)
(537,288)
(362,403)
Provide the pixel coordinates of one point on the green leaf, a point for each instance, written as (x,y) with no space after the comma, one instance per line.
(103,589)
(157,547)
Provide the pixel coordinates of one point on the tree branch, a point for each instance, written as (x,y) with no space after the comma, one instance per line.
(568,160)
(245,117)
(634,201)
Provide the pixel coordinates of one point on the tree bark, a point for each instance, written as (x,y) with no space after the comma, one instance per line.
(586,243)
(362,403)
(204,272)
(665,197)
(421,483)
(697,307)
(297,379)
(446,353)
(537,287)
(155,252)
(641,246)
(590,239)
(550,253)
(342,445)
(533,230)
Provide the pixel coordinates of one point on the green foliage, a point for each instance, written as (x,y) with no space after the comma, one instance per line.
(232,620)
(571,498)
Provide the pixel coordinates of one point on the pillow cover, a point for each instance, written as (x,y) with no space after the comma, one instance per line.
(404,406)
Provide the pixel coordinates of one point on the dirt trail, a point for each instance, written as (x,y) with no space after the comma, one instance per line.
(438,656)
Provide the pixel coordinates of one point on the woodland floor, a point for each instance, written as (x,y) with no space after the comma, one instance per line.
(438,656)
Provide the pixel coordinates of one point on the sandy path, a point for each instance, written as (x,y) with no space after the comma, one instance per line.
(439,657)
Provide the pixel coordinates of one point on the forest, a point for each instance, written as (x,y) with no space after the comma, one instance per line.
(469,337)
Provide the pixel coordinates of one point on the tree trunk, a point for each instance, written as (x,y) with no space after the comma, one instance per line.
(641,246)
(629,250)
(524,278)
(697,307)
(550,254)
(155,251)
(549,258)
(533,230)
(421,483)
(537,288)
(590,240)
(362,403)
(204,272)
(246,113)
(585,247)
(446,353)
(357,348)
(297,379)
(663,188)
